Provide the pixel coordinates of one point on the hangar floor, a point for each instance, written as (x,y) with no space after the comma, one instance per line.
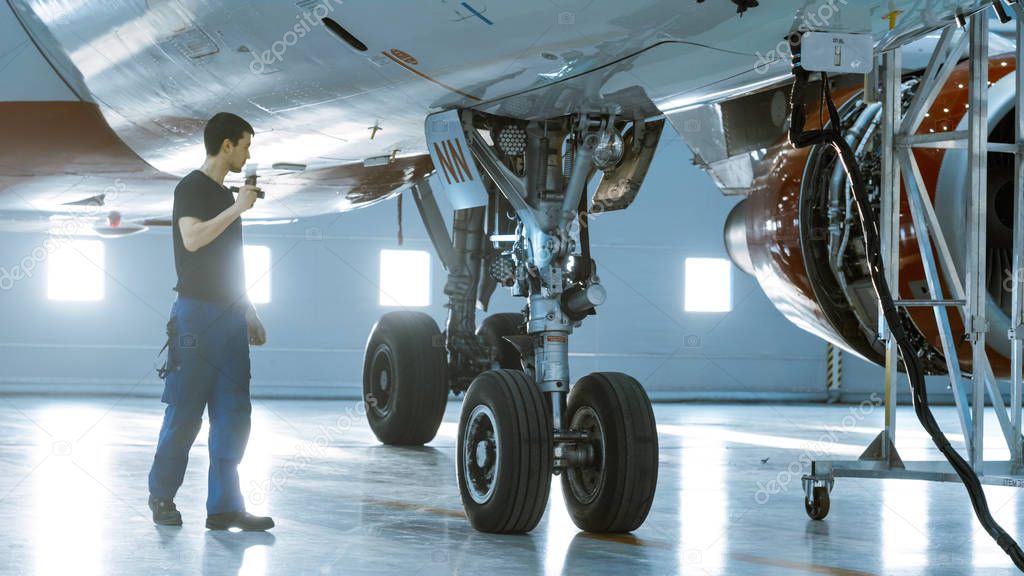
(73,500)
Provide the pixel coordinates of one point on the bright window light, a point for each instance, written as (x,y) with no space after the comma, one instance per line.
(257,273)
(708,284)
(76,270)
(404,278)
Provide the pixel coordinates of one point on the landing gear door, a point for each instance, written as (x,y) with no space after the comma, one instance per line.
(456,169)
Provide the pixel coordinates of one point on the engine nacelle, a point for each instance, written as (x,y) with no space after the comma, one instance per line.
(798,233)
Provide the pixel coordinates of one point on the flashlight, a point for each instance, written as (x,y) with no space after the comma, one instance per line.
(250,180)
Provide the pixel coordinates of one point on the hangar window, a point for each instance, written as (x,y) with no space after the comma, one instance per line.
(76,270)
(257,273)
(404,278)
(708,285)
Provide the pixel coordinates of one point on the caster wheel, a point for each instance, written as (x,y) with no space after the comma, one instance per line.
(504,452)
(405,382)
(817,507)
(492,332)
(615,492)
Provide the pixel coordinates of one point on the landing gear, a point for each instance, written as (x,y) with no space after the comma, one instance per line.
(504,452)
(405,387)
(492,333)
(612,492)
(521,222)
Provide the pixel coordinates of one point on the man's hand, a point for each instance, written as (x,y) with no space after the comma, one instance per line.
(257,334)
(246,197)
(196,233)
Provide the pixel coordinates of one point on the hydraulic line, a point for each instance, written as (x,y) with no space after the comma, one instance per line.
(831,135)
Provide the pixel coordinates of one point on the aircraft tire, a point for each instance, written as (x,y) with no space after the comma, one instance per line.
(504,452)
(615,492)
(405,382)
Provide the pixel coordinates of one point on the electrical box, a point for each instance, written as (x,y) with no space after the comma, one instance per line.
(833,52)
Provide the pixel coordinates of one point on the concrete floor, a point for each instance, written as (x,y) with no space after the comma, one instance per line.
(73,500)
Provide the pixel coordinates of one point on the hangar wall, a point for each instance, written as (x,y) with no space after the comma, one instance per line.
(325,300)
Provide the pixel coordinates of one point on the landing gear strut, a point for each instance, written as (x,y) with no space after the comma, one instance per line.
(520,422)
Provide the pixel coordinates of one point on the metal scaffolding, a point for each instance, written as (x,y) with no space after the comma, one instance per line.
(968,297)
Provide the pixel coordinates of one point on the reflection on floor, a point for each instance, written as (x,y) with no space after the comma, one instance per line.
(73,499)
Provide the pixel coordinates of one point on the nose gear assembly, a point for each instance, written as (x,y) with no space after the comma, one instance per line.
(519,188)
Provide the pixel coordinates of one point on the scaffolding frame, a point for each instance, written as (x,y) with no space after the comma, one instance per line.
(968,297)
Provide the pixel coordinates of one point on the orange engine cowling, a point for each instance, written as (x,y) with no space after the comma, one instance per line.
(798,232)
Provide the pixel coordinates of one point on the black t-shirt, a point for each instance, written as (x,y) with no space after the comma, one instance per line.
(215,272)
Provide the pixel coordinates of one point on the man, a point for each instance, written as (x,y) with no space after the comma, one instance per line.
(211,326)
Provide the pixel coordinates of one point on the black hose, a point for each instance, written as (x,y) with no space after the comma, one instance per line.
(911,361)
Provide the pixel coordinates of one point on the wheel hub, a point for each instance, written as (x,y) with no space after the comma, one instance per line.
(482,454)
(585,481)
(381,397)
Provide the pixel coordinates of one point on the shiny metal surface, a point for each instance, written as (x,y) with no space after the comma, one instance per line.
(949,194)
(152,65)
(729,501)
(775,244)
(916,194)
(1017,265)
(976,273)
(157,71)
(483,454)
(889,229)
(735,238)
(53,155)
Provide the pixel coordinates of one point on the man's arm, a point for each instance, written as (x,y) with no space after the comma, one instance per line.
(196,233)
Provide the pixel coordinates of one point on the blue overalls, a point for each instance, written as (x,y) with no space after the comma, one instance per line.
(207,366)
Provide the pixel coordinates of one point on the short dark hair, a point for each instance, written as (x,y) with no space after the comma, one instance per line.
(224,125)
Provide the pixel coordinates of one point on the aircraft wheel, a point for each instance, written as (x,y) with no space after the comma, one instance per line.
(504,452)
(615,492)
(405,383)
(492,332)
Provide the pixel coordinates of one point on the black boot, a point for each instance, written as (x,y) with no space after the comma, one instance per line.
(242,520)
(165,512)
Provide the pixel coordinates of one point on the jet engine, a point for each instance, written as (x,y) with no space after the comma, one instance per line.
(798,233)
